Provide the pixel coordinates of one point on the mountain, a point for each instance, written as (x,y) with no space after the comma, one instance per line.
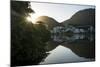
(50,22)
(82,17)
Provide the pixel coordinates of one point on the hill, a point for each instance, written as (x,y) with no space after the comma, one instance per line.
(50,22)
(82,17)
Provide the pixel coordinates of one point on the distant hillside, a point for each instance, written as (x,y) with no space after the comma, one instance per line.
(83,17)
(48,21)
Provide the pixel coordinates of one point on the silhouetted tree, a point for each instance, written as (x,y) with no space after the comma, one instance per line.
(27,46)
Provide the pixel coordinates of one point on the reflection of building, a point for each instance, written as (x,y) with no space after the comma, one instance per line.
(65,38)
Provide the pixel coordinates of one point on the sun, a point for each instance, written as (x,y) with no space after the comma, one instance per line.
(29,19)
(32,18)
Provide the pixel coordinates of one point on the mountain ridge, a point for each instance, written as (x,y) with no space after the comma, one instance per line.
(80,18)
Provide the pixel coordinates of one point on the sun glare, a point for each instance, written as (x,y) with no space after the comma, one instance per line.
(32,18)
(29,19)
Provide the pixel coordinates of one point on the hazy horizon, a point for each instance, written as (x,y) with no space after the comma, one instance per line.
(60,12)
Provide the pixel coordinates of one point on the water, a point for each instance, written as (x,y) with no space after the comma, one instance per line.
(74,48)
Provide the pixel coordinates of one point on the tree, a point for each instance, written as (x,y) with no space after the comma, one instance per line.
(27,48)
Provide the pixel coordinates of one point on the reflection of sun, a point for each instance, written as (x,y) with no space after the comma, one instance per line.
(32,18)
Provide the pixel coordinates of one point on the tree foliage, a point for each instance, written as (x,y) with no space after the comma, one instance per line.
(27,40)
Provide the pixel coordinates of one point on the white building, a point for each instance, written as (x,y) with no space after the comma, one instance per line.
(57,29)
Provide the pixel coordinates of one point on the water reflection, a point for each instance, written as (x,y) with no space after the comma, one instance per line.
(62,38)
(61,55)
(74,48)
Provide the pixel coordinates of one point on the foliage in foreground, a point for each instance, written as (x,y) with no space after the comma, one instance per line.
(27,41)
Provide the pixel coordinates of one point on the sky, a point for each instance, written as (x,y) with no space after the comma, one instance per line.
(60,12)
